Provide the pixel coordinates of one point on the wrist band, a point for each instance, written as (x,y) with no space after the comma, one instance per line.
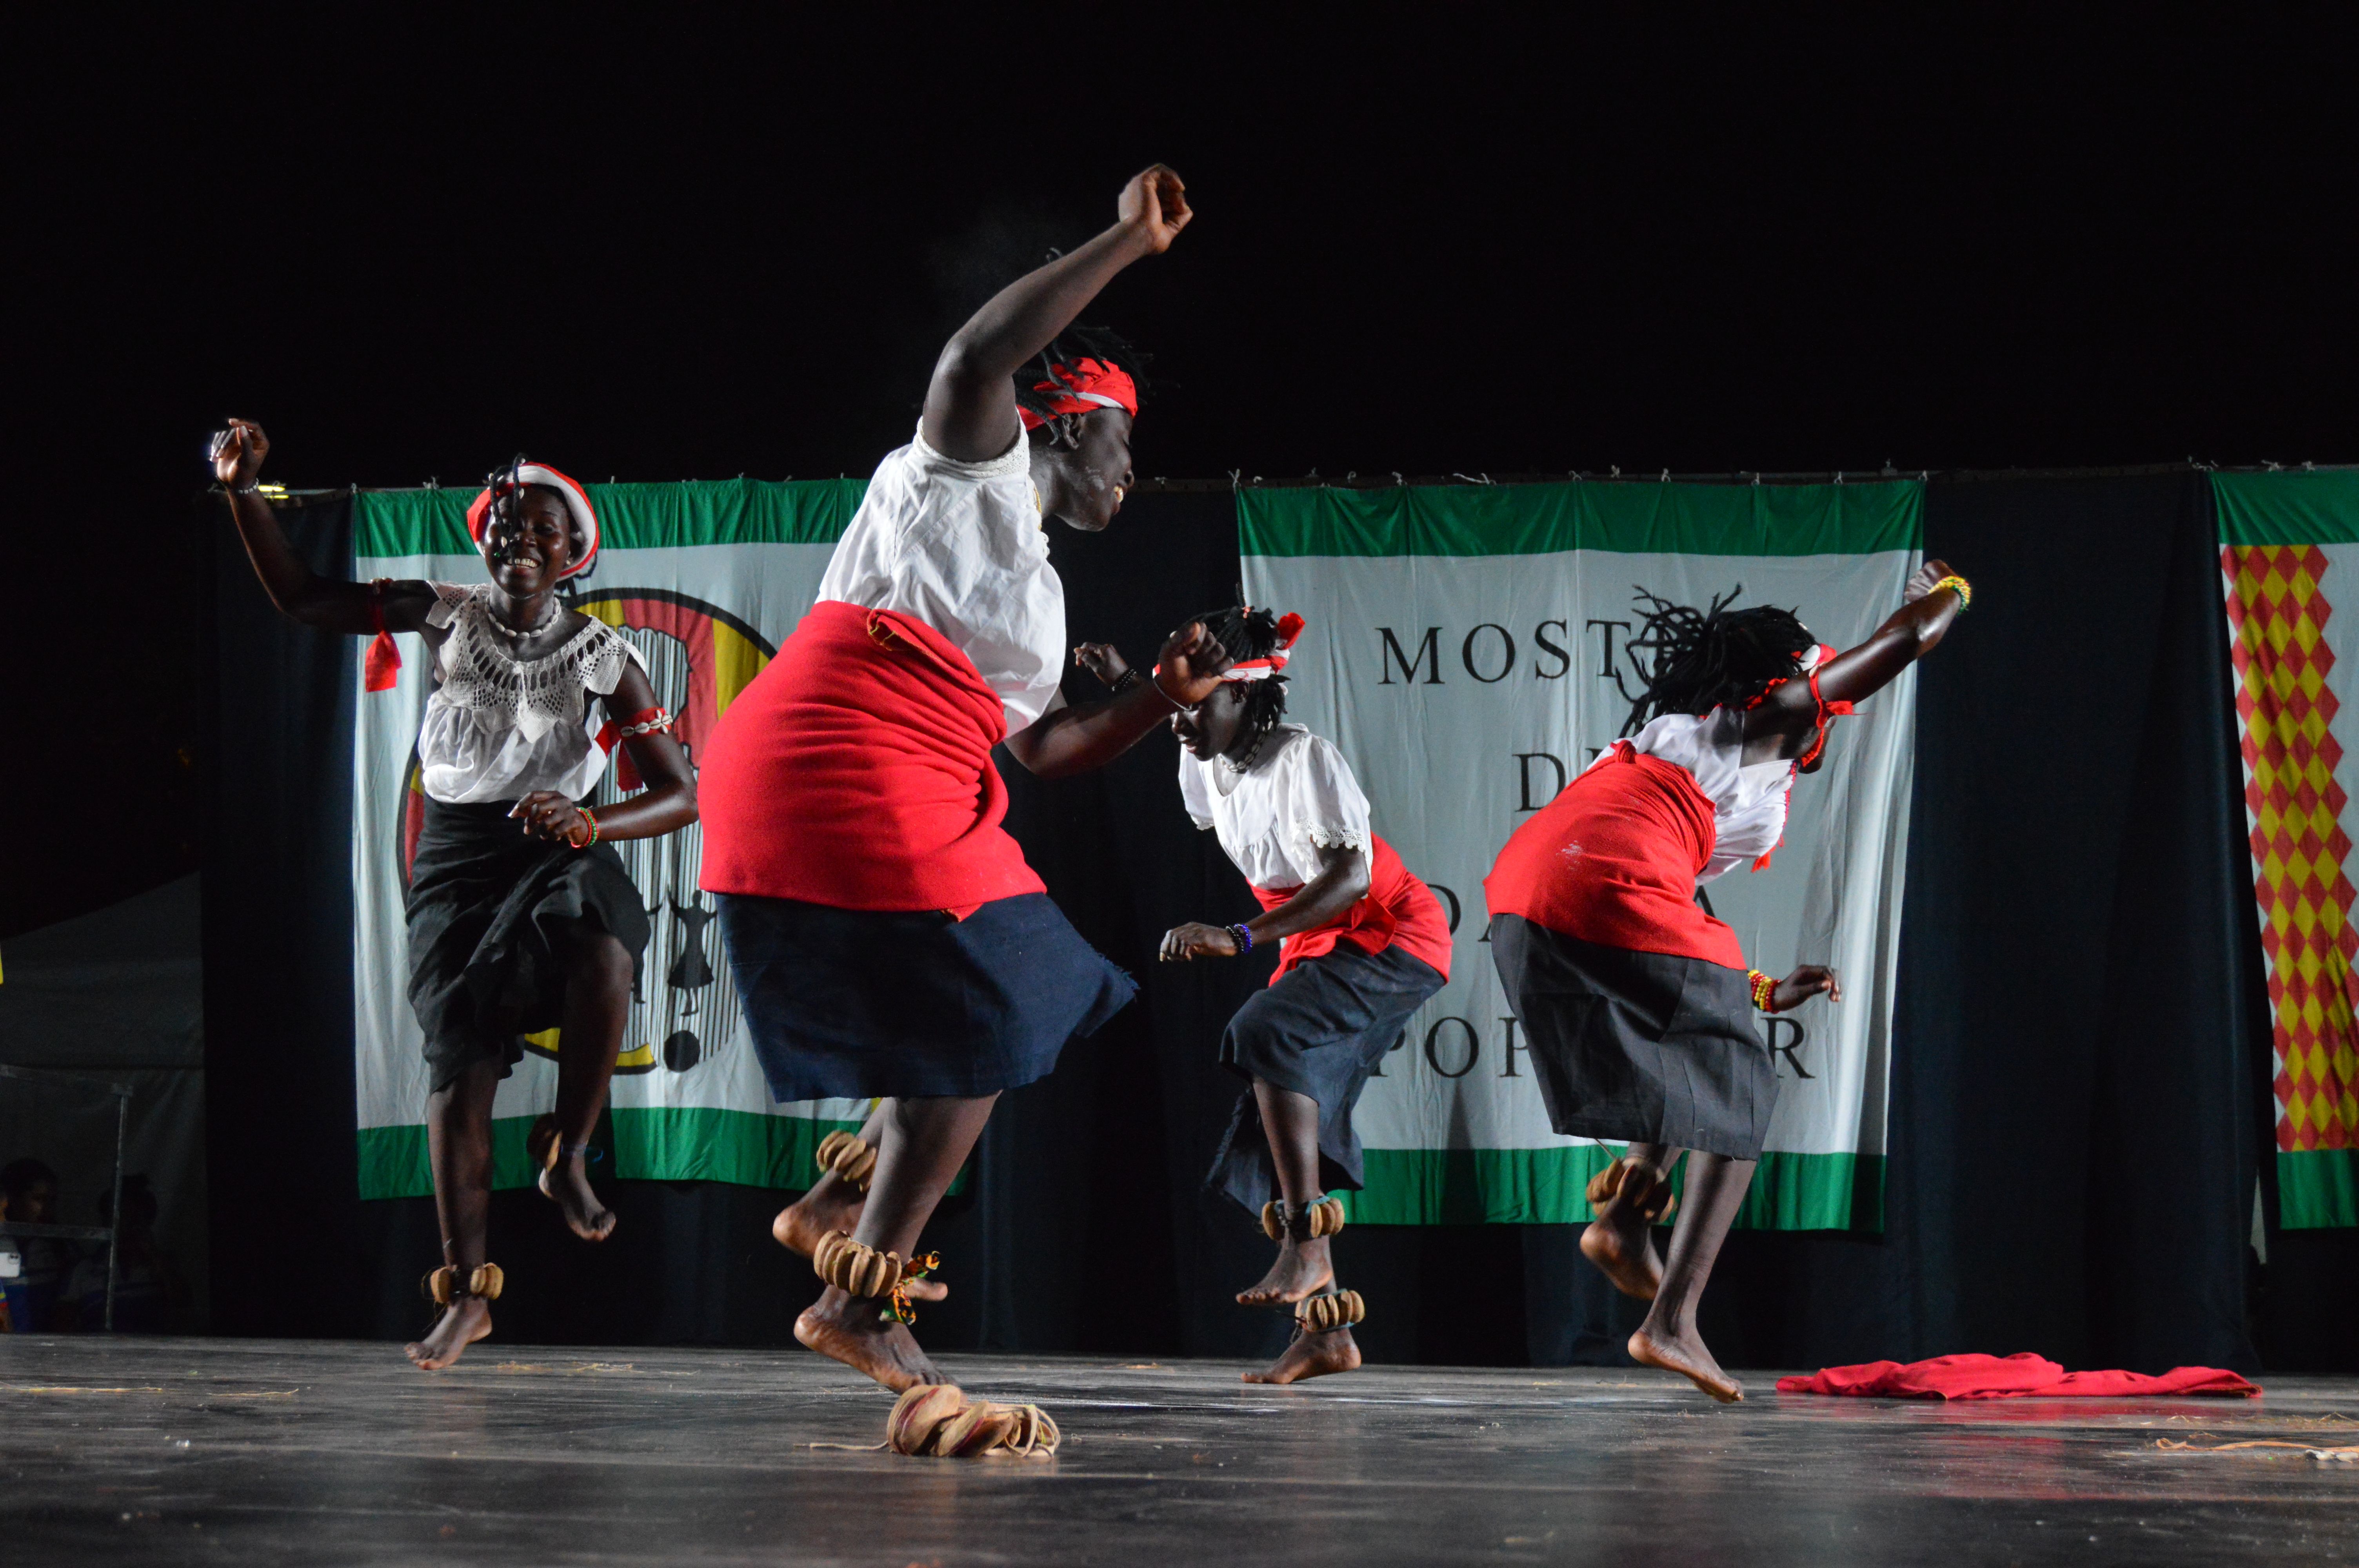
(1764,990)
(1964,590)
(1129,679)
(1243,933)
(592,818)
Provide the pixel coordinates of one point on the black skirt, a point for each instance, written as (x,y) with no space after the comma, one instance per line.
(1320,1032)
(493,916)
(1638,1047)
(851,1003)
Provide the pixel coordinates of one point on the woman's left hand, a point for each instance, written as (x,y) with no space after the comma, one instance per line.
(549,815)
(1198,940)
(1805,982)
(1103,661)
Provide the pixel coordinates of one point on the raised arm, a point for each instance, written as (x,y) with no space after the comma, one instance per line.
(1067,741)
(302,594)
(1782,722)
(971,404)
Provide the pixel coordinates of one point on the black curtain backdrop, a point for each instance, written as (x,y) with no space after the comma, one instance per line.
(2078,1103)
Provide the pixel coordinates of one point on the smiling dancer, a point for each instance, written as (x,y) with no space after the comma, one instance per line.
(1365,944)
(520,914)
(1638,1003)
(887,938)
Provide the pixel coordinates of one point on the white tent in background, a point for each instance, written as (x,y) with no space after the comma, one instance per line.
(115,996)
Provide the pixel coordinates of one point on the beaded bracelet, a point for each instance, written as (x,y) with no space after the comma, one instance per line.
(1243,933)
(1764,990)
(592,818)
(1964,590)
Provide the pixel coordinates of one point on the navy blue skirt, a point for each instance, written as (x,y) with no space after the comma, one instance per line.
(851,1003)
(1321,1031)
(1633,1047)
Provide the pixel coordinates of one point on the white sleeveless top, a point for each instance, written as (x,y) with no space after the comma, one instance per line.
(1748,801)
(959,546)
(1296,798)
(498,728)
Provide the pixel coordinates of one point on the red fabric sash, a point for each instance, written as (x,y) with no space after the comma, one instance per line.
(1397,910)
(855,772)
(2019,1377)
(1614,859)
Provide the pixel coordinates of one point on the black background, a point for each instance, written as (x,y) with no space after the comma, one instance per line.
(671,246)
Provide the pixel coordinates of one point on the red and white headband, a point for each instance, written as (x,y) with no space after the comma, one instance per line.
(1082,387)
(1289,628)
(577,501)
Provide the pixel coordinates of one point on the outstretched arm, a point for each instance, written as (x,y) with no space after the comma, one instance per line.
(971,404)
(1341,882)
(1788,715)
(302,594)
(1074,739)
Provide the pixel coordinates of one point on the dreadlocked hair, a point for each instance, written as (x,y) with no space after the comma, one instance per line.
(1696,660)
(1078,342)
(1250,634)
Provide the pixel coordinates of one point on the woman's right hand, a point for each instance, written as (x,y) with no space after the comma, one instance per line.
(1809,980)
(238,452)
(1189,668)
(1198,940)
(1154,206)
(1922,583)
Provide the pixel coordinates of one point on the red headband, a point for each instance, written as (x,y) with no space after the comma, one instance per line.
(1082,387)
(577,501)
(1289,628)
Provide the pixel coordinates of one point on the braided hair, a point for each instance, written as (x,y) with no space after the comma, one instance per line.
(1696,660)
(1078,342)
(1250,634)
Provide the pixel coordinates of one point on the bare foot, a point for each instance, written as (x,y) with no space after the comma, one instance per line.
(803,1224)
(1311,1356)
(462,1323)
(1303,1269)
(1622,1245)
(567,1182)
(1685,1354)
(847,1328)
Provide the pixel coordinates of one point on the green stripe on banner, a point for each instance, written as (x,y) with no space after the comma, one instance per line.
(1543,519)
(2318,1189)
(1546,1186)
(2287,508)
(630,516)
(652,1144)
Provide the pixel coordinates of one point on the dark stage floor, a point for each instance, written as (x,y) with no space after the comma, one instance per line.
(266,1452)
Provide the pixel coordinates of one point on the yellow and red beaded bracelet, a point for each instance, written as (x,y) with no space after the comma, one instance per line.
(1764,990)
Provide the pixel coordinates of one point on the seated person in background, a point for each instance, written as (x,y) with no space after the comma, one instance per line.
(31,1189)
(149,1295)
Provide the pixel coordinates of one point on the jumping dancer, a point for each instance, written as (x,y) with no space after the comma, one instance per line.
(886,937)
(1638,1003)
(1364,944)
(520,914)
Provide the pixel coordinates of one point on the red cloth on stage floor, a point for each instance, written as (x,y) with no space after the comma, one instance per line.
(855,772)
(2019,1377)
(1397,910)
(1614,859)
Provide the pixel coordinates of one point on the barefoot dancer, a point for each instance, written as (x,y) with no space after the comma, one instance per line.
(1636,1002)
(887,938)
(1365,944)
(520,916)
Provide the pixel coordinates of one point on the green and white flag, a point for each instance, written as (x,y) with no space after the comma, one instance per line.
(1468,649)
(705,580)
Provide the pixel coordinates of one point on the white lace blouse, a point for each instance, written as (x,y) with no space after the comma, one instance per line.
(959,546)
(497,727)
(1298,796)
(1748,801)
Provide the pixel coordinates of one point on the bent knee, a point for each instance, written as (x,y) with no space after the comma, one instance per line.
(601,957)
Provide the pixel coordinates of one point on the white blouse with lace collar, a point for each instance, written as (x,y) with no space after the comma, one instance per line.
(498,728)
(1296,798)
